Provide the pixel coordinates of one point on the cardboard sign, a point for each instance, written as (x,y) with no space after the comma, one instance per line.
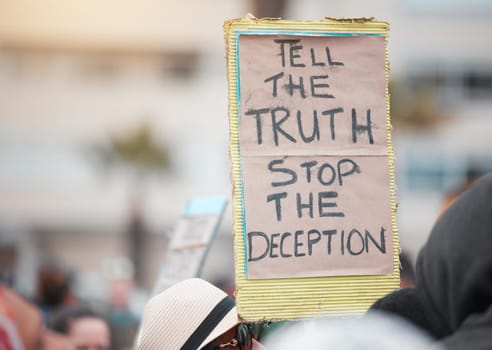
(311,151)
(193,231)
(190,242)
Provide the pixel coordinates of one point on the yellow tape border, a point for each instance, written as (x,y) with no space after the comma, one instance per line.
(297,298)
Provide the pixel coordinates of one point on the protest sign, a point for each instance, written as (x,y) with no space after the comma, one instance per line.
(190,241)
(312,163)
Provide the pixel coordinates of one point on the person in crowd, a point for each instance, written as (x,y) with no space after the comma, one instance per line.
(21,325)
(86,329)
(53,289)
(15,310)
(452,299)
(472,175)
(376,331)
(190,315)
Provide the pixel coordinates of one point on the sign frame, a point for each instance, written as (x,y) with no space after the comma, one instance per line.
(181,260)
(298,298)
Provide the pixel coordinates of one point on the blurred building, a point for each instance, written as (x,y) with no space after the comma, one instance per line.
(72,74)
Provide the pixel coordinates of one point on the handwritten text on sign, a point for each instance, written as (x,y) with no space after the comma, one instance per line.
(314,155)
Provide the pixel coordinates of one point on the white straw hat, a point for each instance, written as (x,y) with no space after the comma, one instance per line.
(186,316)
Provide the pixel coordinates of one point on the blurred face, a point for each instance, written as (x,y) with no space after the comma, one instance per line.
(55,341)
(89,333)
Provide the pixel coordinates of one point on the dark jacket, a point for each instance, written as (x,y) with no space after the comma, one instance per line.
(452,299)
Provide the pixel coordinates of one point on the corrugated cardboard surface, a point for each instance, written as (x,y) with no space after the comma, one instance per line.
(297,298)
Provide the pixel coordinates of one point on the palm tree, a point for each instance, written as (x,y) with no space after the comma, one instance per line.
(137,151)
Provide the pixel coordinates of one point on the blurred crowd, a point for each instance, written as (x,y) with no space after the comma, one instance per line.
(55,318)
(444,303)
(103,67)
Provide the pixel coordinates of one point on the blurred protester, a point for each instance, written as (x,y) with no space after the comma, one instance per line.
(86,329)
(452,299)
(376,331)
(193,314)
(8,263)
(407,272)
(126,301)
(56,341)
(471,176)
(21,325)
(9,334)
(53,289)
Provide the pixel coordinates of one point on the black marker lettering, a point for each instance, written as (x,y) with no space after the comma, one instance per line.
(315,134)
(273,169)
(312,241)
(284,236)
(301,205)
(282,47)
(329,233)
(308,166)
(276,124)
(361,128)
(313,60)
(273,245)
(297,243)
(354,168)
(274,78)
(382,246)
(349,242)
(256,113)
(291,86)
(314,86)
(323,204)
(321,171)
(293,55)
(250,245)
(330,61)
(331,113)
(278,208)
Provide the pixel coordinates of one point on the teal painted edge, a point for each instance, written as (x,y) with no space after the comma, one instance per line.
(238,97)
(303,33)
